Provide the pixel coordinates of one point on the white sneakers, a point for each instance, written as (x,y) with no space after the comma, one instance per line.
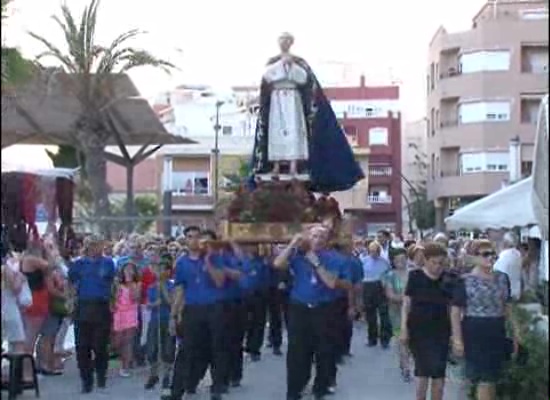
(123,373)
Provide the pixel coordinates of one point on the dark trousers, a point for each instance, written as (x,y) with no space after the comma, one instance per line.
(278,312)
(348,335)
(343,324)
(235,314)
(92,330)
(376,309)
(138,350)
(309,338)
(256,312)
(204,345)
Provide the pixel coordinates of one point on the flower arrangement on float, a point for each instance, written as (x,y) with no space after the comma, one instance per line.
(275,211)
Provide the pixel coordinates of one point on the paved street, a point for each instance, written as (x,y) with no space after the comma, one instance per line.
(370,375)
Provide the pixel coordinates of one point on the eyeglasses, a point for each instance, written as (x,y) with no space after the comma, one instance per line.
(487,254)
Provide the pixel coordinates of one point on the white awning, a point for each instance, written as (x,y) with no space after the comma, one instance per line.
(508,208)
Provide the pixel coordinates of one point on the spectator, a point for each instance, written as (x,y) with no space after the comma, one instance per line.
(12,323)
(481,306)
(127,296)
(509,262)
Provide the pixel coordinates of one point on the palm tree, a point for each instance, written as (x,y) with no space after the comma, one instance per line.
(90,69)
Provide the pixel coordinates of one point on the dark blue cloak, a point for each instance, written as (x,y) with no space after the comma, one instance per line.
(331,166)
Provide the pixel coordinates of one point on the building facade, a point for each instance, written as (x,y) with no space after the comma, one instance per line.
(191,110)
(414,166)
(484,87)
(371,120)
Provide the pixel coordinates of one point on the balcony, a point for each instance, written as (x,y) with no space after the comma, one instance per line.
(380,171)
(192,202)
(377,199)
(452,184)
(353,199)
(481,135)
(486,84)
(380,174)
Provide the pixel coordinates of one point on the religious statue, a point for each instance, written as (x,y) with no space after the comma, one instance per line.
(298,128)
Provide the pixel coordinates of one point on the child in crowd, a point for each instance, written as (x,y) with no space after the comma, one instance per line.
(159,300)
(125,315)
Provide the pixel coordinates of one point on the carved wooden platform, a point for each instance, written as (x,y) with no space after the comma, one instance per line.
(260,232)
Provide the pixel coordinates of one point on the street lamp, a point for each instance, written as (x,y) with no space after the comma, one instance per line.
(216,150)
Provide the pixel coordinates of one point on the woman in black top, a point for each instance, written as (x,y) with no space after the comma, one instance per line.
(425,322)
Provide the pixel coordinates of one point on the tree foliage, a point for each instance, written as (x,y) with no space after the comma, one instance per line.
(422,209)
(146,206)
(15,68)
(90,69)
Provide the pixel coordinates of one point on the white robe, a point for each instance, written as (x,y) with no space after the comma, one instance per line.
(287,130)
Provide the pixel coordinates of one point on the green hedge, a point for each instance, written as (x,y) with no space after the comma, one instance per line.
(526,381)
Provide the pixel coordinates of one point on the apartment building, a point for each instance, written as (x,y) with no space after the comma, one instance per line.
(191,110)
(414,166)
(371,120)
(483,91)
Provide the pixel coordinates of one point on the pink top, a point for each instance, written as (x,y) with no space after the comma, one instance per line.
(126,310)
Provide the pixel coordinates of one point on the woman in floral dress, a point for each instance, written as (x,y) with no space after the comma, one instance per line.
(395,282)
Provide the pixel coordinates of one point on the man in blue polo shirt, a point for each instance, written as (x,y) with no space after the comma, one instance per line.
(199,282)
(93,277)
(256,302)
(318,275)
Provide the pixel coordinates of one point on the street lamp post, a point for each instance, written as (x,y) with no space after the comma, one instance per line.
(216,150)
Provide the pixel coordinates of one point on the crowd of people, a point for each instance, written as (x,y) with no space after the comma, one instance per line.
(194,304)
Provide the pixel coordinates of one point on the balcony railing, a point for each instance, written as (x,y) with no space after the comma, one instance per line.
(450,172)
(448,123)
(449,73)
(377,199)
(380,171)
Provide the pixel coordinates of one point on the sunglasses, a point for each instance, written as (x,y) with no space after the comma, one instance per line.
(487,254)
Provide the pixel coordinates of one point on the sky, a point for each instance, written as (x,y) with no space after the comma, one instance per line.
(224,43)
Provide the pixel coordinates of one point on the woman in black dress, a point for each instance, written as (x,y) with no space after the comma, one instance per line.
(481,305)
(425,321)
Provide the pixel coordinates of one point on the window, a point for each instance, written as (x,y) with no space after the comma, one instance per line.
(484,111)
(378,136)
(190,183)
(471,163)
(534,59)
(432,121)
(227,130)
(496,161)
(483,162)
(541,13)
(497,60)
(530,110)
(526,168)
(351,134)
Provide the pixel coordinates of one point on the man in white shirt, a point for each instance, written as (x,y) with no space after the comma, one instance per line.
(509,262)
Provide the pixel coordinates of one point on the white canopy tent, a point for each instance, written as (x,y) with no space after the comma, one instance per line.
(508,208)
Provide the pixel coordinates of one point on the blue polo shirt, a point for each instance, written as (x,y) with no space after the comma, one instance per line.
(231,289)
(308,288)
(93,277)
(197,284)
(257,274)
(162,311)
(356,270)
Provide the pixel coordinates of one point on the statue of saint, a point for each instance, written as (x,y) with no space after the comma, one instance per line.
(297,127)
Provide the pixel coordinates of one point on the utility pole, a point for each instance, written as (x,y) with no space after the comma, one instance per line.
(216,151)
